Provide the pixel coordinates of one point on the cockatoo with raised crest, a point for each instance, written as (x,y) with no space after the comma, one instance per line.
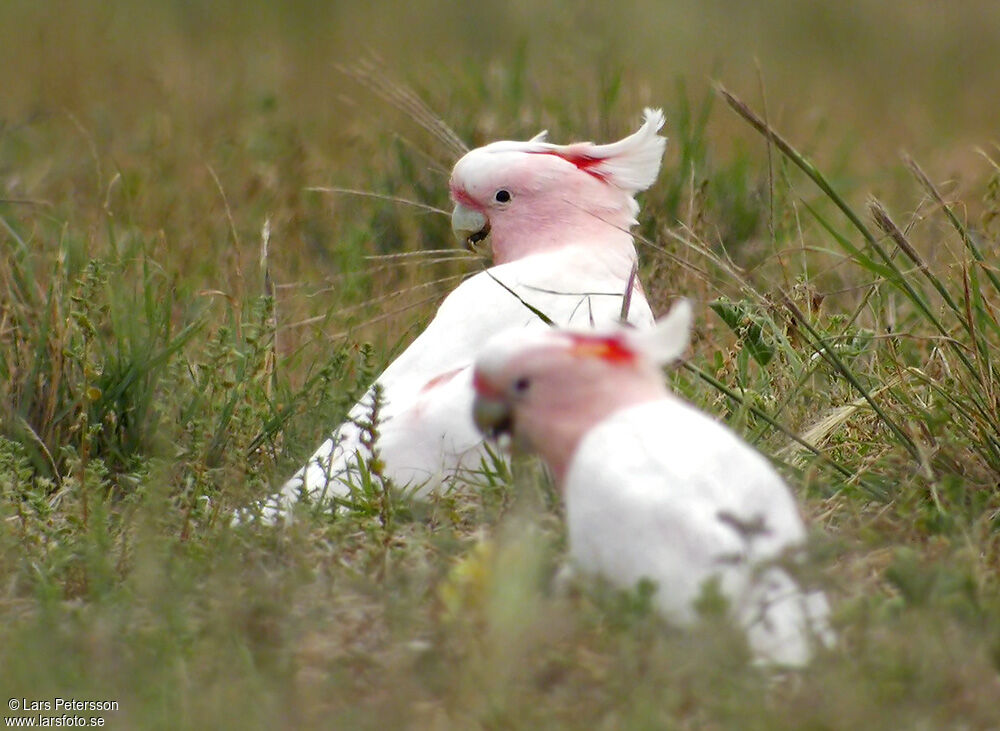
(556,220)
(654,489)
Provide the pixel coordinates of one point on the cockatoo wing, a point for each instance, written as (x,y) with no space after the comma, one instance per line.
(570,286)
(664,492)
(426,432)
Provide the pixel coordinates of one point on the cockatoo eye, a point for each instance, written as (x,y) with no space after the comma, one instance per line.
(502,196)
(521,385)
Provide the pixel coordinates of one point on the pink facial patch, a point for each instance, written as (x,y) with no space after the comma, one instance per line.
(611,349)
(484,387)
(460,195)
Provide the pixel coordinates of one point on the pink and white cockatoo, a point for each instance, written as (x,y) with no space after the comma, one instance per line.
(556,219)
(654,489)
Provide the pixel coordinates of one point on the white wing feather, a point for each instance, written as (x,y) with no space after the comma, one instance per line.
(663,492)
(426,430)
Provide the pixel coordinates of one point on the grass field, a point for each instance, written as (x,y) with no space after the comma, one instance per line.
(836,220)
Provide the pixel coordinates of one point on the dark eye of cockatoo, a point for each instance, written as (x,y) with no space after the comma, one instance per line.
(521,386)
(502,196)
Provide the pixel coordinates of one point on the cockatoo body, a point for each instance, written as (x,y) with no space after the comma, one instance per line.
(654,489)
(556,220)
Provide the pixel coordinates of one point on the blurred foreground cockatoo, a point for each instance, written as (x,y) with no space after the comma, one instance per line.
(654,489)
(556,220)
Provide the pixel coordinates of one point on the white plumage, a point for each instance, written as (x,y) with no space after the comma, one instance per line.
(559,237)
(662,491)
(654,488)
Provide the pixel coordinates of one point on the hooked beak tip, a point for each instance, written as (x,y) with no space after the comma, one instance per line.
(470,226)
(473,240)
(491,417)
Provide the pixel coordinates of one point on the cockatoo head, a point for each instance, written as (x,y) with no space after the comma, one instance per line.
(547,388)
(520,198)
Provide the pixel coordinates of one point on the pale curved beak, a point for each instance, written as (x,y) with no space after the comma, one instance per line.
(471,227)
(492,417)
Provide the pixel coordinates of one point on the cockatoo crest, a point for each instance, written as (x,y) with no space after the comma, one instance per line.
(665,342)
(521,198)
(631,163)
(659,345)
(571,380)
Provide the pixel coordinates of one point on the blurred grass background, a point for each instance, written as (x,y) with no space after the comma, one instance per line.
(908,74)
(150,380)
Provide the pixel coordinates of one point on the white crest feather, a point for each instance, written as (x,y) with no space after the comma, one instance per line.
(631,163)
(668,338)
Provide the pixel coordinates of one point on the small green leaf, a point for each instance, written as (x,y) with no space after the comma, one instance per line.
(750,327)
